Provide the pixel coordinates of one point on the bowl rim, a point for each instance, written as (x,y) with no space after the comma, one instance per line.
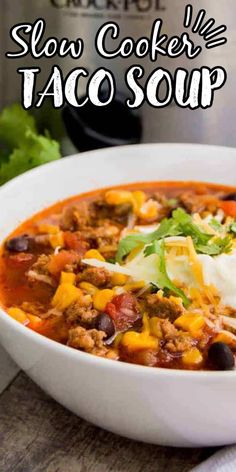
(114,149)
(100,362)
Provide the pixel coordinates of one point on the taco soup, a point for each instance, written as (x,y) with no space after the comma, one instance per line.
(144,274)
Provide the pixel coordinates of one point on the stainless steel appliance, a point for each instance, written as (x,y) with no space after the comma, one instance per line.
(82,18)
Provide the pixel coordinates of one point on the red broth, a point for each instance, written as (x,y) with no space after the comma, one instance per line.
(81,326)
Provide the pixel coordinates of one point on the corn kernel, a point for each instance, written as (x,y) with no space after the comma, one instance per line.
(137,341)
(193,357)
(108,248)
(146,326)
(134,253)
(176,300)
(118,197)
(101,298)
(47,228)
(225,337)
(149,210)
(67,278)
(94,254)
(139,199)
(133,286)
(190,322)
(65,295)
(18,315)
(89,288)
(56,239)
(112,354)
(155,327)
(119,279)
(160,294)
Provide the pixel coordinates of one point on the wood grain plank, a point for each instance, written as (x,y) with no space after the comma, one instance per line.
(8,369)
(39,435)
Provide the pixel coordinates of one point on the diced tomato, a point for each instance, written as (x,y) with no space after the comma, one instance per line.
(123,309)
(54,328)
(229,208)
(35,322)
(60,260)
(73,242)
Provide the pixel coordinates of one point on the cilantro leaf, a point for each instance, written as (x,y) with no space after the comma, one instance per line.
(219,246)
(168,227)
(35,151)
(14,123)
(181,224)
(163,280)
(172,202)
(232,228)
(216,225)
(188,228)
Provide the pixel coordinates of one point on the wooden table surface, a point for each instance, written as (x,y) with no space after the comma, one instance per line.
(39,435)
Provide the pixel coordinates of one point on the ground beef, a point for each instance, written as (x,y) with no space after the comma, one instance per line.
(81,315)
(75,218)
(168,330)
(39,272)
(181,343)
(175,340)
(163,307)
(199,203)
(160,198)
(87,340)
(144,357)
(118,213)
(101,209)
(165,209)
(90,341)
(41,265)
(122,210)
(96,276)
(104,236)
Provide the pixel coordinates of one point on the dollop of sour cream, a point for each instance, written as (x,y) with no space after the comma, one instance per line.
(220,271)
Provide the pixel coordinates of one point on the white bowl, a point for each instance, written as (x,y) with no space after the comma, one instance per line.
(160,406)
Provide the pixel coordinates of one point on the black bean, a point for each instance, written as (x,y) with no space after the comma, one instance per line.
(221,356)
(103,322)
(18,244)
(230,196)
